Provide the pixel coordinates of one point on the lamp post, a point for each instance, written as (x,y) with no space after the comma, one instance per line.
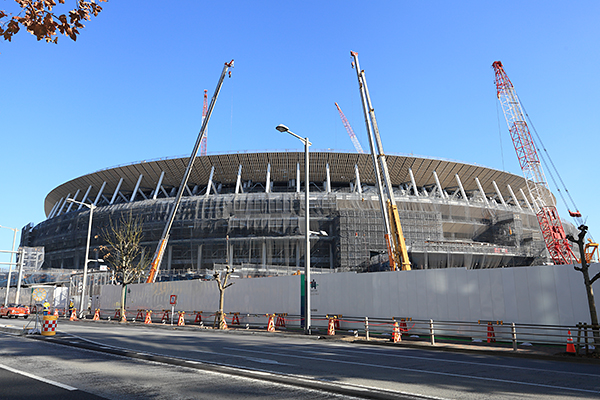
(11,261)
(282,128)
(87,252)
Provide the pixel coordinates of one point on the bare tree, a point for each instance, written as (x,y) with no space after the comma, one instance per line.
(220,317)
(585,270)
(39,18)
(124,253)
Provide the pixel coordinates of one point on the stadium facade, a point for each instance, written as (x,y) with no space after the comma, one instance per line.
(247,209)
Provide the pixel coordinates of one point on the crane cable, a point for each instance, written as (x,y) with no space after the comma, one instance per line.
(578,220)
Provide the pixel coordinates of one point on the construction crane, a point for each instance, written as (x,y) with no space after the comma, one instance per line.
(162,243)
(204,108)
(543,201)
(353,137)
(397,251)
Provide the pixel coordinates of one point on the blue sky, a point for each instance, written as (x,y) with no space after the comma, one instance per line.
(131,87)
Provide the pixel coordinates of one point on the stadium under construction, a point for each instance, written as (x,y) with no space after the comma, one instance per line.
(246,210)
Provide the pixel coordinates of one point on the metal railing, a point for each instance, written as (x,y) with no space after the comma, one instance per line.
(490,333)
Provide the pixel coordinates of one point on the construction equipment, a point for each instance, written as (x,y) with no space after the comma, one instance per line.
(162,243)
(591,250)
(350,131)
(397,251)
(204,138)
(543,201)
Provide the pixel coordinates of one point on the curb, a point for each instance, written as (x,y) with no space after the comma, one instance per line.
(440,346)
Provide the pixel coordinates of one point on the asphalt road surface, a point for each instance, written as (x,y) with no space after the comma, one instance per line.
(190,364)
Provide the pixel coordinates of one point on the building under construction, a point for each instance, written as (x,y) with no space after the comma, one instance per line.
(453,214)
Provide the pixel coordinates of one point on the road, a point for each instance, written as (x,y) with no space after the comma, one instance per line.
(261,360)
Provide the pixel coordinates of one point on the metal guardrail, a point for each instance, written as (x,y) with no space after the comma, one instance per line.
(493,333)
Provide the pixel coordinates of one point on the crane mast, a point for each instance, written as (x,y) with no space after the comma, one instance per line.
(537,185)
(204,108)
(350,131)
(396,243)
(162,243)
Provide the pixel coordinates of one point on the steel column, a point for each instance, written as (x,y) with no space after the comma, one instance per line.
(114,196)
(462,189)
(99,193)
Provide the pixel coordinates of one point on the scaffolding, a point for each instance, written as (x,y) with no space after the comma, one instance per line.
(265,233)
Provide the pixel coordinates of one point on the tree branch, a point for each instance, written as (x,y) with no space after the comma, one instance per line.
(595,278)
(40,20)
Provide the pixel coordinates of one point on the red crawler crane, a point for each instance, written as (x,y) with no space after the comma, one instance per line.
(544,203)
(204,108)
(350,131)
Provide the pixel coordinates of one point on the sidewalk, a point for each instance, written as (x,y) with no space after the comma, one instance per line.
(458,345)
(455,344)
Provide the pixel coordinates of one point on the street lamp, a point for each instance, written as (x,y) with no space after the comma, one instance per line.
(11,261)
(282,128)
(87,252)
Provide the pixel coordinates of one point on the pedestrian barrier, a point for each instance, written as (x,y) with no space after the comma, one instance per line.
(148,319)
(198,319)
(165,316)
(403,327)
(49,325)
(96,315)
(181,319)
(331,325)
(140,314)
(271,323)
(372,328)
(281,320)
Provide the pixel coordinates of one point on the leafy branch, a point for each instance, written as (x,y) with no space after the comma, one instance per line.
(39,19)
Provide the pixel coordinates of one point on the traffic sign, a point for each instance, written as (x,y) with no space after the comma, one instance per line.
(173,299)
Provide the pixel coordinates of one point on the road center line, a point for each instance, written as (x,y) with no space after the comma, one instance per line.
(39,378)
(420,371)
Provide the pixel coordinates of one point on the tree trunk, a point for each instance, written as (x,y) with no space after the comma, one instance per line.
(585,270)
(592,305)
(221,316)
(123,293)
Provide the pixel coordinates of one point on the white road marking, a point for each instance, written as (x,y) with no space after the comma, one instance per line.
(39,378)
(420,371)
(370,352)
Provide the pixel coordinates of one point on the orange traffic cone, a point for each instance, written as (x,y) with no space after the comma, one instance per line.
(148,318)
(73,316)
(96,315)
(56,312)
(271,324)
(396,335)
(181,320)
(491,336)
(331,327)
(570,345)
